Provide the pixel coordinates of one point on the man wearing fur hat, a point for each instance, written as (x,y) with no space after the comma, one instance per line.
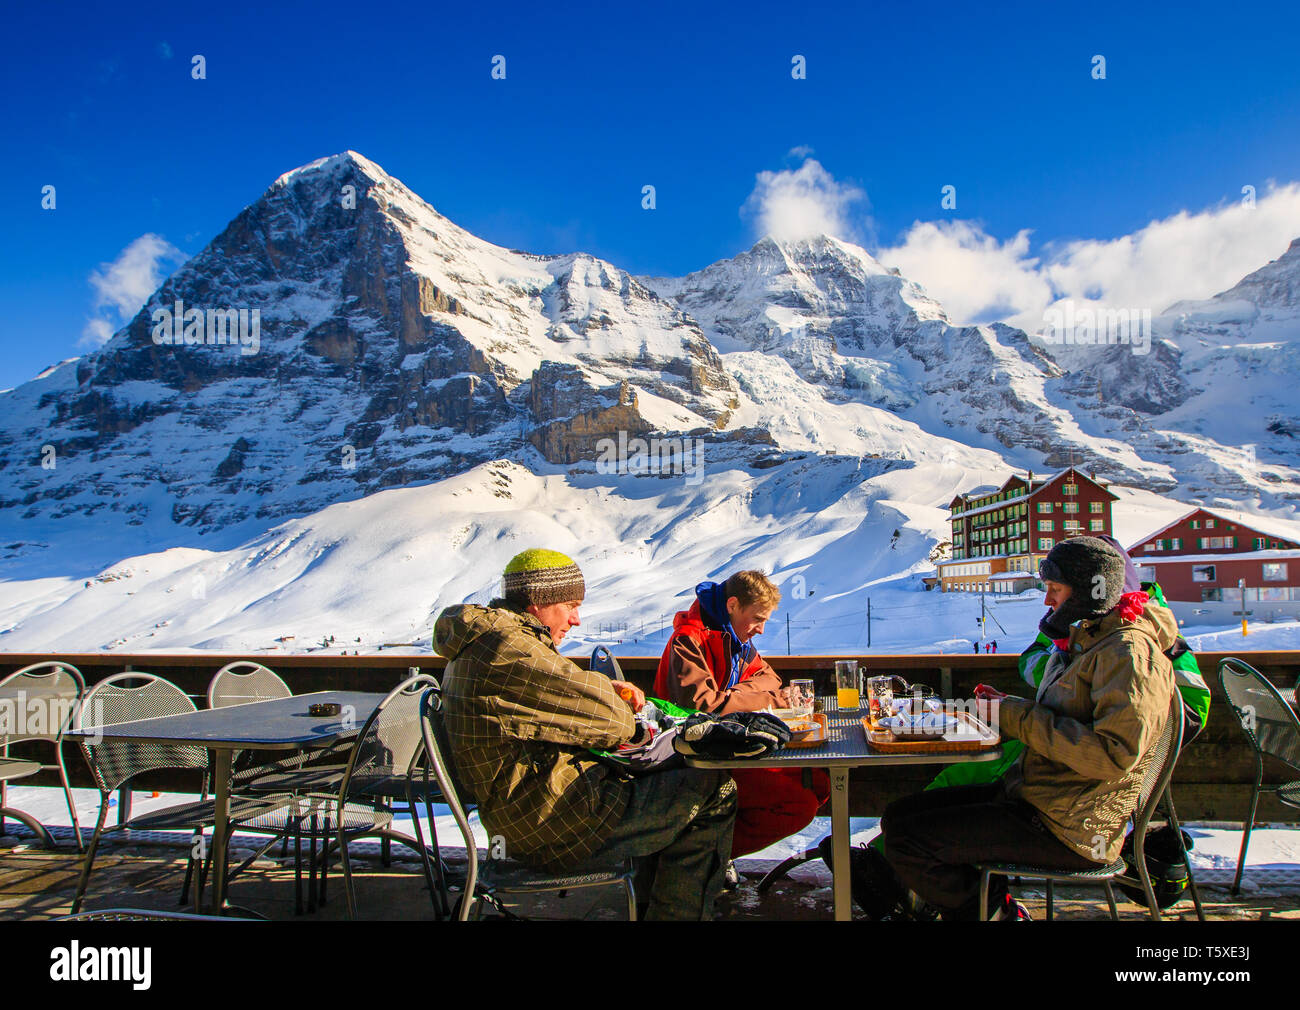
(522,721)
(1089,734)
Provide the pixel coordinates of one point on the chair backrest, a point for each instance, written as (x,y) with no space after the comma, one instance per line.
(244,681)
(1268,721)
(127,697)
(389,743)
(438,758)
(1164,757)
(39,702)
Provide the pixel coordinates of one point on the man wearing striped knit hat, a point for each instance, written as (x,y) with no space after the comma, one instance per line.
(522,721)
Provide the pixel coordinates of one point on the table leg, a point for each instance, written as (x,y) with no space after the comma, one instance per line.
(840,843)
(220,828)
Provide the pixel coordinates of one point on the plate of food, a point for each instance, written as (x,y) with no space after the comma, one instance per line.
(931,724)
(904,706)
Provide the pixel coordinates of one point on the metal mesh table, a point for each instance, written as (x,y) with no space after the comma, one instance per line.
(282,724)
(846,747)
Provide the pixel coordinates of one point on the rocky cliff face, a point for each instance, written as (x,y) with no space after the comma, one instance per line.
(391,347)
(341,337)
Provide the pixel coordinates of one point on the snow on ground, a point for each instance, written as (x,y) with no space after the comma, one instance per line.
(836,532)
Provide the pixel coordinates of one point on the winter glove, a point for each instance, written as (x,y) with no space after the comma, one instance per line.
(738,735)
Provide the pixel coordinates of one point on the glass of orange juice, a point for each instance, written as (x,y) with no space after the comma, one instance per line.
(848,683)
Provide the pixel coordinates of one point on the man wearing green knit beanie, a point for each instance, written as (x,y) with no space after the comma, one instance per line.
(522,722)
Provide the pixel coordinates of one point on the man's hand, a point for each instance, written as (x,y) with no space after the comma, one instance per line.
(985,693)
(630,693)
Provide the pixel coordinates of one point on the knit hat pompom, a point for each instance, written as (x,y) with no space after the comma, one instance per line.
(539,577)
(1093,570)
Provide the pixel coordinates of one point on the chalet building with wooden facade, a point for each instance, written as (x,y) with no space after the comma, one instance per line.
(1000,534)
(1204,557)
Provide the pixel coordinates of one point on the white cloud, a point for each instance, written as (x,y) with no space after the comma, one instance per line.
(799,203)
(123,286)
(96,333)
(1189,255)
(975,277)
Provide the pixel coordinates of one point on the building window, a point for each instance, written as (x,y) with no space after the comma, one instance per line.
(1146,573)
(1045,507)
(1070,489)
(1177,543)
(1196,524)
(1216,543)
(1070,507)
(1203,573)
(1274,571)
(1096,506)
(1072,526)
(1045,543)
(1211,595)
(1209,524)
(1096,526)
(1258,544)
(1045,526)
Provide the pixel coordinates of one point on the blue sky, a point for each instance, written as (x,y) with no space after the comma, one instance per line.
(1052,167)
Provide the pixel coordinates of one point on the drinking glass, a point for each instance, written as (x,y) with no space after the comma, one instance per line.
(880,695)
(800,696)
(848,683)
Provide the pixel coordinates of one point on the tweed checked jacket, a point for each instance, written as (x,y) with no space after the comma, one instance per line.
(1089,736)
(520,719)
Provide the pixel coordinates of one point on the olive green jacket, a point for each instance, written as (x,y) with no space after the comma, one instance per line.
(520,721)
(1088,737)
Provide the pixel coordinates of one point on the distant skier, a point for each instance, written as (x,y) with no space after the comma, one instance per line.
(975,646)
(995,646)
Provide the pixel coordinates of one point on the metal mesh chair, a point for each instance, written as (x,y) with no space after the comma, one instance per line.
(499,878)
(42,700)
(128,697)
(379,770)
(244,681)
(1155,785)
(1271,727)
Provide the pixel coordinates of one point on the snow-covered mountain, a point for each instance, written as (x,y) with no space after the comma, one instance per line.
(395,351)
(860,333)
(1215,396)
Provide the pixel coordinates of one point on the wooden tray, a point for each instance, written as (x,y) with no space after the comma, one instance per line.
(815,738)
(972,735)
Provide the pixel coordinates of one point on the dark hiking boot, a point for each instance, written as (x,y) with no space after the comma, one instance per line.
(875,886)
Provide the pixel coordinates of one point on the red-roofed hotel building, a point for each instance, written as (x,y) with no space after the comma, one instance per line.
(1000,534)
(1203,557)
